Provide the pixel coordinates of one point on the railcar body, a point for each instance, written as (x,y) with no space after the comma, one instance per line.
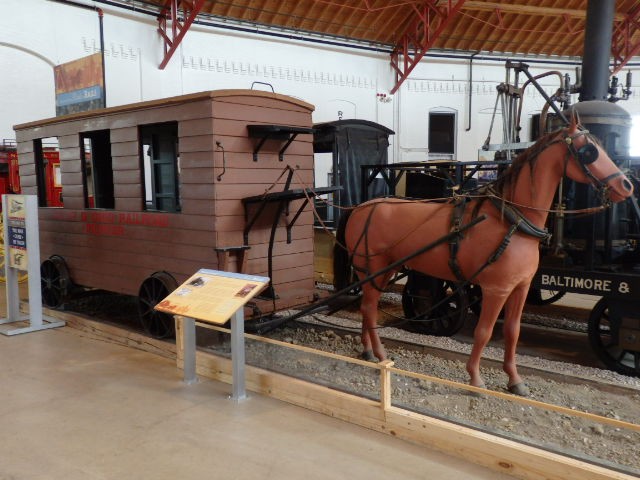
(10,172)
(153,191)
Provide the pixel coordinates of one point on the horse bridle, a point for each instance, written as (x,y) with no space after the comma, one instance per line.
(585,156)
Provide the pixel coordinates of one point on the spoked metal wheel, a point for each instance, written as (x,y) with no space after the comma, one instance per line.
(541,296)
(54,281)
(433,305)
(152,291)
(616,346)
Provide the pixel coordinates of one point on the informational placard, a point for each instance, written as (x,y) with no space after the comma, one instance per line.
(17,233)
(22,254)
(212,296)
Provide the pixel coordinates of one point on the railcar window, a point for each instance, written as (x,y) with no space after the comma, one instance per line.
(48,176)
(442,134)
(97,169)
(160,160)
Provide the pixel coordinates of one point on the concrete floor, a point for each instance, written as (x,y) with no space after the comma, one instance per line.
(77,408)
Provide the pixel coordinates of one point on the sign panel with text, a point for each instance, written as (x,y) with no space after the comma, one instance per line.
(212,295)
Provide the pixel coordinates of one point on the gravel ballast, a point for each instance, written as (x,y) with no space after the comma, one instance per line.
(613,446)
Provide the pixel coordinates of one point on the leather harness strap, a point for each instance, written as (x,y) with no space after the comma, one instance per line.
(454,244)
(515,217)
(364,236)
(518,223)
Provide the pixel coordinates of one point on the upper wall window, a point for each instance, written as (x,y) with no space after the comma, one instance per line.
(442,134)
(48,176)
(97,169)
(160,160)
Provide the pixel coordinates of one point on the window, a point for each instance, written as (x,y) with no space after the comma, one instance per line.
(161,166)
(48,176)
(442,134)
(97,169)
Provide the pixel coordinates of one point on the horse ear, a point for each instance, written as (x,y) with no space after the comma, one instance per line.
(574,122)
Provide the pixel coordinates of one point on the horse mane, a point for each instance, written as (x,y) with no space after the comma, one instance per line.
(527,157)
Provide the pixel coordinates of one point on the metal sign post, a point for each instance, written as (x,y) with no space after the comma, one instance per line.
(239,391)
(214,296)
(22,254)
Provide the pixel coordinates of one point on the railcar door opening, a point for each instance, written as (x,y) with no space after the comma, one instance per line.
(97,168)
(161,166)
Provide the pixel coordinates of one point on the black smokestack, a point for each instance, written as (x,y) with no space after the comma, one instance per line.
(597,50)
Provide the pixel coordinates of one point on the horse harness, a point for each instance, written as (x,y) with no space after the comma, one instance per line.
(519,223)
(585,155)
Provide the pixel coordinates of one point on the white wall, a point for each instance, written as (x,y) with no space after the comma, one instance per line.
(35,35)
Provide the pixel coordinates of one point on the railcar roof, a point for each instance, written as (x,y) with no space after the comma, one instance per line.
(163,102)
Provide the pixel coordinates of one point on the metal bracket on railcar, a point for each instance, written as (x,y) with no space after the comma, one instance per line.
(286,133)
(282,200)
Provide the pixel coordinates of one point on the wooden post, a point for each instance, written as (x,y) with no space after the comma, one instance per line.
(179,342)
(385,384)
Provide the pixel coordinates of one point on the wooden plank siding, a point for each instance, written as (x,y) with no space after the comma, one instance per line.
(244,177)
(118,249)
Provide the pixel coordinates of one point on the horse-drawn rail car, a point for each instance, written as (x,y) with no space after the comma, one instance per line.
(153,191)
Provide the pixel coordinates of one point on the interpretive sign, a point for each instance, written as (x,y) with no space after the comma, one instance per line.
(22,254)
(212,295)
(17,233)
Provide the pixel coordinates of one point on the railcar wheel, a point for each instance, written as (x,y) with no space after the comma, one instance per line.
(152,291)
(541,296)
(54,281)
(604,337)
(434,307)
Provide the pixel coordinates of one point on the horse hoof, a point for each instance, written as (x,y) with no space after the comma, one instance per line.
(519,389)
(368,356)
(477,394)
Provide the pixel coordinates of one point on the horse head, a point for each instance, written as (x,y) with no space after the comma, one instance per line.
(588,162)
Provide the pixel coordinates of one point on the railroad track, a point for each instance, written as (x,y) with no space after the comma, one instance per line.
(556,344)
(394,344)
(579,437)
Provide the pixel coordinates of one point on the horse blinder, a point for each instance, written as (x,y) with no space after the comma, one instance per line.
(587,154)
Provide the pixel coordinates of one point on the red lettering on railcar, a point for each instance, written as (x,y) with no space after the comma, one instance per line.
(102,229)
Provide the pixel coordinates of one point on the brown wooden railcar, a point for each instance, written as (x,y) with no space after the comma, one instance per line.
(156,190)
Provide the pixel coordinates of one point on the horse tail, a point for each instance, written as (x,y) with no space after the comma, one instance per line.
(341,257)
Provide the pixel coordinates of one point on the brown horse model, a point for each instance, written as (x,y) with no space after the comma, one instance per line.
(500,253)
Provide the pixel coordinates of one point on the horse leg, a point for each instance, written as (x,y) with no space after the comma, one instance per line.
(372,347)
(511,331)
(491,306)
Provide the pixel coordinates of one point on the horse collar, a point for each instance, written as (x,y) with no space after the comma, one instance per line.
(517,218)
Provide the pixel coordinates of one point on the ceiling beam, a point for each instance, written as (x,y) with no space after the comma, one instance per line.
(180,14)
(365,5)
(429,20)
(623,47)
(529,9)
